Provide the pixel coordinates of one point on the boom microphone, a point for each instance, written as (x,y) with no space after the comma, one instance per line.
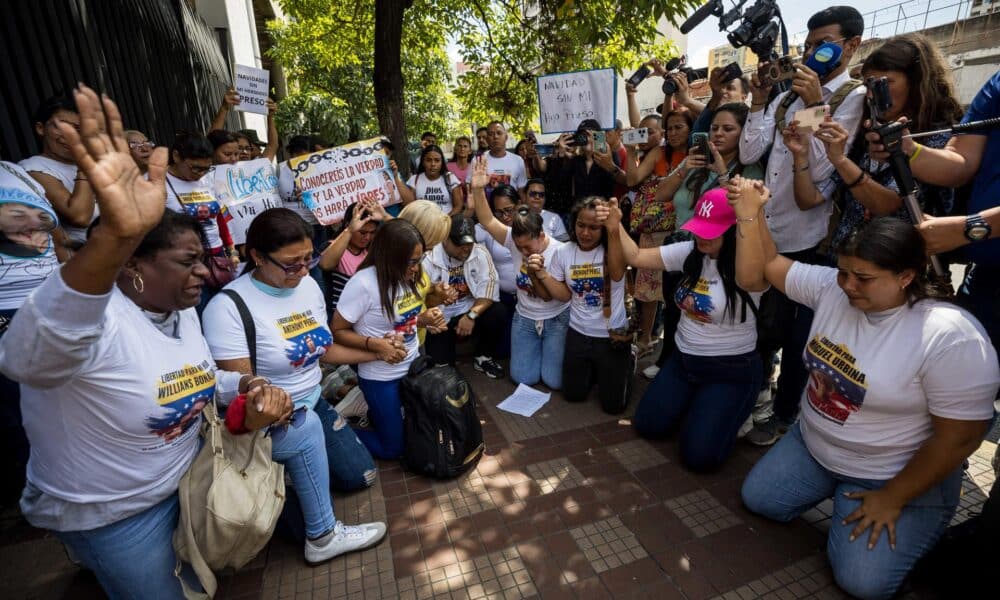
(703,12)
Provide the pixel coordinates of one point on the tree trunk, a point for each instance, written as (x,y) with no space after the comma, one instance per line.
(389,77)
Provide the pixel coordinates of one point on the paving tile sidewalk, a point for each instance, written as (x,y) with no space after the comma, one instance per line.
(567,504)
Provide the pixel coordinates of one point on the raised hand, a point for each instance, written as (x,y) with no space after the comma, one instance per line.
(480,175)
(834,137)
(231,98)
(614,215)
(793,140)
(747,196)
(601,211)
(272,106)
(362,215)
(130,205)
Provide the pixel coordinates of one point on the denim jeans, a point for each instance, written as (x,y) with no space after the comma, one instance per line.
(134,557)
(787,481)
(707,397)
(351,465)
(537,349)
(588,359)
(503,347)
(300,447)
(385,416)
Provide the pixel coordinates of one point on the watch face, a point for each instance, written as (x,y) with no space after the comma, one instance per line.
(978,232)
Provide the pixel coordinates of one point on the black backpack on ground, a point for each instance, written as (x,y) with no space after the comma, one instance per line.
(442,436)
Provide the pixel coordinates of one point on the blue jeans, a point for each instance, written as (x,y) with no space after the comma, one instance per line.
(134,557)
(509,301)
(351,465)
(300,447)
(709,397)
(787,481)
(538,356)
(385,415)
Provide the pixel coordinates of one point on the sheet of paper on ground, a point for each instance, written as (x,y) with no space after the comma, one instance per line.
(525,401)
(331,180)
(247,189)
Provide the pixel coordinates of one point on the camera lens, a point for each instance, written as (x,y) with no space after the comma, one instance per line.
(669,86)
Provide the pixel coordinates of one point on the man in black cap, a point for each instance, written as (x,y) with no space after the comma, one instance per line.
(468,268)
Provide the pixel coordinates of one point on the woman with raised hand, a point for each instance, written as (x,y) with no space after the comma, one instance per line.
(900,393)
(538,330)
(708,386)
(110,348)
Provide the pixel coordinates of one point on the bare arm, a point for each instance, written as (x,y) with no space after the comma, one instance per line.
(757,260)
(456,201)
(229,100)
(634,177)
(633,109)
(478,186)
(271,150)
(75,209)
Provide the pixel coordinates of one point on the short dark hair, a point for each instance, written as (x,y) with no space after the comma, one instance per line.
(506,191)
(427,134)
(273,229)
(190,144)
(52,105)
(852,24)
(166,231)
(534,181)
(589,125)
(480,129)
(745,82)
(299,144)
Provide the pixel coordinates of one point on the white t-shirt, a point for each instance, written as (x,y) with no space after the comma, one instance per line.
(502,260)
(706,328)
(553,226)
(24,262)
(529,305)
(583,273)
(286,189)
(360,304)
(66,174)
(437,190)
(876,379)
(472,279)
(508,169)
(111,404)
(292,333)
(197,198)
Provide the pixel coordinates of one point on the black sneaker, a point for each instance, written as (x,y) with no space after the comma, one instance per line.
(488,366)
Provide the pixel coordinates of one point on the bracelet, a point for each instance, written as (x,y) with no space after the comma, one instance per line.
(916,152)
(367,339)
(745,219)
(252,379)
(799,170)
(815,104)
(858,181)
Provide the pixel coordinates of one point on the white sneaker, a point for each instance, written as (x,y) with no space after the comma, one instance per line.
(651,372)
(344,539)
(353,404)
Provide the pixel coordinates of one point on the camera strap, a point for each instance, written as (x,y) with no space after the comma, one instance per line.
(835,101)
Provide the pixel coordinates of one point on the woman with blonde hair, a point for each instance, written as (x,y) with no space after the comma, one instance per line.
(432,223)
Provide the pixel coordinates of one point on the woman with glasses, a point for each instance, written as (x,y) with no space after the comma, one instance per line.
(292,339)
(190,189)
(140,147)
(535,200)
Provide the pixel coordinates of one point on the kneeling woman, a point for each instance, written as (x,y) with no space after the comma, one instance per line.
(384,298)
(711,383)
(900,393)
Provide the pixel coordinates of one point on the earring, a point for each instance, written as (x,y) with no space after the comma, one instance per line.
(137,283)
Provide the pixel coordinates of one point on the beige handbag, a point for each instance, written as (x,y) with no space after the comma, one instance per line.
(230,500)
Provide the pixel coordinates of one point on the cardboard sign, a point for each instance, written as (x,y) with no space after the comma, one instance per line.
(566,99)
(247,189)
(331,180)
(252,85)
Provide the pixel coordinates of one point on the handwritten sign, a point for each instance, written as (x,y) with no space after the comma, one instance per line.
(252,85)
(247,189)
(566,99)
(331,180)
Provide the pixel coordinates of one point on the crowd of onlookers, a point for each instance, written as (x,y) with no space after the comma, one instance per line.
(731,239)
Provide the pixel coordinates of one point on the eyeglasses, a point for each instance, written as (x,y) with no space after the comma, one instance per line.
(147,145)
(414,262)
(536,194)
(198,169)
(807,47)
(293,269)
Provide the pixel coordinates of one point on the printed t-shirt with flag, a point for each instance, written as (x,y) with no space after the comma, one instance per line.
(529,305)
(197,199)
(292,334)
(27,254)
(473,278)
(508,169)
(360,303)
(875,379)
(583,273)
(64,173)
(706,327)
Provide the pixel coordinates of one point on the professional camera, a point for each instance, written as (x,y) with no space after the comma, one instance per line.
(759,29)
(679,65)
(780,70)
(879,100)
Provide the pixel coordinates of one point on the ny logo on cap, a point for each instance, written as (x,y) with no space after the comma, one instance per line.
(706,209)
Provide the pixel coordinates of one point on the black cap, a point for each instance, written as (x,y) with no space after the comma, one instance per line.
(463,230)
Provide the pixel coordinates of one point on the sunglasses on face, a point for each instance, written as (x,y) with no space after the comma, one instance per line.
(294,268)
(536,194)
(148,145)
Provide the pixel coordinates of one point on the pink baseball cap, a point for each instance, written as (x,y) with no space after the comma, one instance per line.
(712,215)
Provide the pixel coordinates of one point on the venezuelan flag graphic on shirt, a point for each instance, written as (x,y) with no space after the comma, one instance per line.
(837,385)
(408,307)
(523,281)
(182,394)
(306,340)
(587,282)
(695,302)
(202,205)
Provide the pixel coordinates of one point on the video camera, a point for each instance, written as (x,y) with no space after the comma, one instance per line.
(679,65)
(758,30)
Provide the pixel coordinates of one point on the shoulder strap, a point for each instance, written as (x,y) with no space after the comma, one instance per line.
(836,100)
(248,327)
(606,302)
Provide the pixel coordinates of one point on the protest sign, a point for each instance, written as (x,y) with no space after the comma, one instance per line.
(247,189)
(331,180)
(252,85)
(565,99)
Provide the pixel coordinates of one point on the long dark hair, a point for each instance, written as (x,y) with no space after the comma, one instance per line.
(427,150)
(502,190)
(725,264)
(272,230)
(389,253)
(588,203)
(892,244)
(696,181)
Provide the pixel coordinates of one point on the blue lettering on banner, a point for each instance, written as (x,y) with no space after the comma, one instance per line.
(241,186)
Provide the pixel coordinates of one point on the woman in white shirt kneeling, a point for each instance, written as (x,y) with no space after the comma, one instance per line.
(900,392)
(709,385)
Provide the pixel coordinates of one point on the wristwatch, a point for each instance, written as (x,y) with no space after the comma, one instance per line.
(976,228)
(472,314)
